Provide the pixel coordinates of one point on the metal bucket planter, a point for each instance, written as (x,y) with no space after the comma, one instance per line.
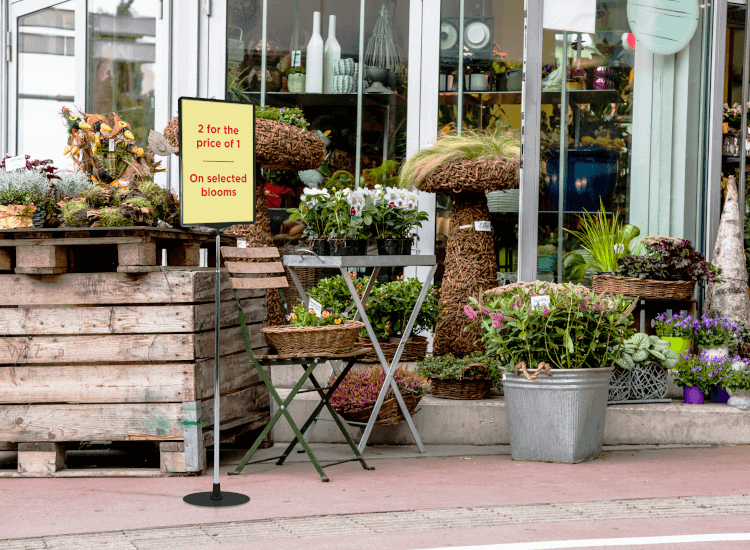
(558,418)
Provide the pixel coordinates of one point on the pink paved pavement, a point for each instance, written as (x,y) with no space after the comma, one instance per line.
(35,507)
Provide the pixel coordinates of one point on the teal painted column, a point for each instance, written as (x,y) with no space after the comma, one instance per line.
(665,141)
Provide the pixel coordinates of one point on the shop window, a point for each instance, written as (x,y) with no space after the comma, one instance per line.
(332,110)
(121,61)
(594,70)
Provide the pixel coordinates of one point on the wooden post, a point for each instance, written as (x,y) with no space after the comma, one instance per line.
(186,255)
(40,458)
(136,254)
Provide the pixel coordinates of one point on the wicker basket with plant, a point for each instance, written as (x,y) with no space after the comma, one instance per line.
(328,333)
(470,377)
(354,399)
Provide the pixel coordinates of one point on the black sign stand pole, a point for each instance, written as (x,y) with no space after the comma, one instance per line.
(216,498)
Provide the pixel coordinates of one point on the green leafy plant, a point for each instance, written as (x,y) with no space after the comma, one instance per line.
(313,212)
(642,348)
(669,258)
(603,241)
(396,215)
(578,329)
(497,145)
(738,377)
(296,70)
(289,115)
(449,367)
(691,372)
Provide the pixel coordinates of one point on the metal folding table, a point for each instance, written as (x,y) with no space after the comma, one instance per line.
(309,259)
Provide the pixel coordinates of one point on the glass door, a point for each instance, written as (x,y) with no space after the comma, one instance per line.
(45,74)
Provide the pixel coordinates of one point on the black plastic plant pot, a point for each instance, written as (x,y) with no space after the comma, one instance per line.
(320,247)
(389,247)
(356,247)
(406,245)
(38,218)
(338,247)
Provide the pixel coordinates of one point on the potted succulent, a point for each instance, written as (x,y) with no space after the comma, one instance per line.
(355,397)
(466,167)
(470,377)
(677,329)
(566,334)
(296,80)
(641,370)
(669,269)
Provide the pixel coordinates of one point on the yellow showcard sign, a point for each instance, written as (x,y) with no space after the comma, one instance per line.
(217,162)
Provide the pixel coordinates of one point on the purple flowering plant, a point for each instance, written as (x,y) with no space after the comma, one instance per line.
(706,371)
(678,325)
(706,331)
(578,329)
(361,387)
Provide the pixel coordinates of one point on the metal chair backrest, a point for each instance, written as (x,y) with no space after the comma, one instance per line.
(259,273)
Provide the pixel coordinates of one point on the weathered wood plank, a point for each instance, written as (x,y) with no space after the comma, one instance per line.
(43,459)
(40,270)
(113,422)
(235,371)
(174,462)
(260,268)
(6,260)
(93,472)
(163,287)
(22,350)
(231,253)
(61,320)
(149,383)
(253,422)
(125,348)
(41,256)
(259,282)
(72,241)
(238,404)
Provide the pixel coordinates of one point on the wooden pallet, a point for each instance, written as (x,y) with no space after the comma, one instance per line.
(102,249)
(130,357)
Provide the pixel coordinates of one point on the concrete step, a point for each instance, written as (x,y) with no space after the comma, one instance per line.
(484,422)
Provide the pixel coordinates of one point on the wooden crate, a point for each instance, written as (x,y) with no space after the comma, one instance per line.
(102,249)
(128,357)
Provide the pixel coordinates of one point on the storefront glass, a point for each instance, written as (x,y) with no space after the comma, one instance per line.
(331,109)
(46,80)
(121,61)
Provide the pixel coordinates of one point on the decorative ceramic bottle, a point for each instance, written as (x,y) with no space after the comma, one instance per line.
(314,69)
(332,54)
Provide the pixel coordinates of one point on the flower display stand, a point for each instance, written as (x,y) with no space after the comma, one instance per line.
(124,357)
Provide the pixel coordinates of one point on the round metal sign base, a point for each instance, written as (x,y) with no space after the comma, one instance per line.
(216,499)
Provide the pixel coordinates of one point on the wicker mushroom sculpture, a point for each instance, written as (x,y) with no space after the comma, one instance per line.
(278,146)
(465,167)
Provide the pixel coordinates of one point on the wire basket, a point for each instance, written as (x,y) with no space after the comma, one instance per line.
(648,381)
(314,340)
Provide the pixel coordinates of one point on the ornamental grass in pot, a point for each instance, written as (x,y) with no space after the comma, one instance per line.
(570,338)
(354,399)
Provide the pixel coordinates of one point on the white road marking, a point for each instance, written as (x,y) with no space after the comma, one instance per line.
(589,543)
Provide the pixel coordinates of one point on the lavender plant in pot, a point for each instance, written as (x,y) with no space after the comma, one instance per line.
(567,334)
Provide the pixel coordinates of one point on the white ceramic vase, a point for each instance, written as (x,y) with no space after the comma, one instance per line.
(315,58)
(332,54)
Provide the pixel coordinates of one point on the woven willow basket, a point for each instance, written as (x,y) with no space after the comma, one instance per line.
(389,412)
(314,340)
(476,387)
(646,289)
(414,350)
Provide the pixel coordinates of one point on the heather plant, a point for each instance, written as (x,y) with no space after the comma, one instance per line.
(361,387)
(577,329)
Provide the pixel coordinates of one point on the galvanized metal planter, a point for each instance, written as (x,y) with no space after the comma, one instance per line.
(558,418)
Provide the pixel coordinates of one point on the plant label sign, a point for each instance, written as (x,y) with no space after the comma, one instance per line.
(241,243)
(538,302)
(483,226)
(15,163)
(316,307)
(217,163)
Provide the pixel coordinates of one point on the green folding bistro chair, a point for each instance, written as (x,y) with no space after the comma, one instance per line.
(258,276)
